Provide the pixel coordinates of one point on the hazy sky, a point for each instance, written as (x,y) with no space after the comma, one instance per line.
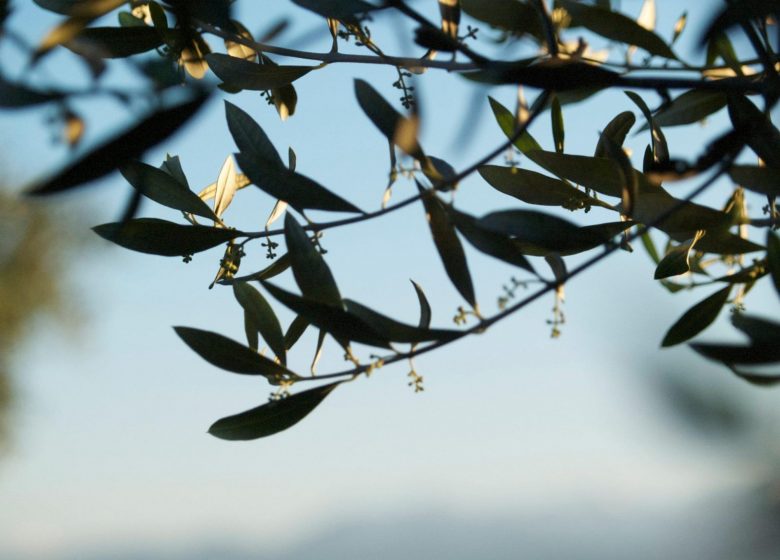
(110,447)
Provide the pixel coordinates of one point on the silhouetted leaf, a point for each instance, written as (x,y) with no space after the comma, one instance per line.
(737,354)
(161,187)
(274,269)
(312,274)
(556,116)
(295,331)
(118,42)
(15,95)
(697,318)
(490,242)
(395,331)
(337,9)
(616,27)
(757,379)
(764,180)
(533,187)
(516,17)
(331,318)
(773,258)
(448,246)
(690,107)
(677,259)
(122,148)
(628,177)
(555,75)
(272,417)
(159,237)
(227,354)
(732,14)
(425,307)
(242,74)
(597,173)
(506,120)
(297,190)
(660,147)
(616,130)
(539,234)
(385,117)
(250,139)
(262,317)
(760,331)
(757,130)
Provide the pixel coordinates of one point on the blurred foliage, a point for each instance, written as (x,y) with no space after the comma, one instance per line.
(724,249)
(31,282)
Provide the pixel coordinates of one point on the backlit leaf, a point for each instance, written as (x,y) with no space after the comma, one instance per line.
(272,417)
(555,75)
(764,180)
(15,95)
(118,42)
(159,237)
(297,190)
(336,9)
(295,331)
(773,258)
(490,242)
(738,354)
(557,124)
(163,188)
(122,148)
(760,331)
(510,15)
(312,274)
(227,354)
(425,307)
(227,185)
(697,318)
(393,330)
(759,132)
(242,74)
(384,117)
(508,123)
(534,188)
(616,27)
(249,137)
(448,246)
(262,317)
(677,260)
(616,130)
(690,107)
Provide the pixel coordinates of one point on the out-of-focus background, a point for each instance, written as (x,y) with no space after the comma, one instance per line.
(594,445)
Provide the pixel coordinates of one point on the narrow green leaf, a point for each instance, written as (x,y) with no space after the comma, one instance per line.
(516,17)
(540,234)
(557,75)
(647,242)
(488,241)
(616,131)
(628,177)
(385,117)
(122,148)
(297,190)
(333,319)
(448,246)
(249,137)
(763,180)
(690,107)
(533,187)
(161,187)
(506,120)
(159,237)
(272,417)
(660,147)
(311,272)
(274,269)
(262,316)
(773,258)
(295,331)
(697,318)
(425,307)
(116,42)
(556,114)
(251,332)
(172,166)
(756,128)
(393,330)
(616,27)
(241,74)
(227,354)
(677,259)
(599,174)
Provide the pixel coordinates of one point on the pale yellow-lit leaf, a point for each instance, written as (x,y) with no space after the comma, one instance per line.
(227,185)
(677,259)
(240,50)
(193,58)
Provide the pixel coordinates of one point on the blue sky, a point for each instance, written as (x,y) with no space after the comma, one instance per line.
(110,450)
